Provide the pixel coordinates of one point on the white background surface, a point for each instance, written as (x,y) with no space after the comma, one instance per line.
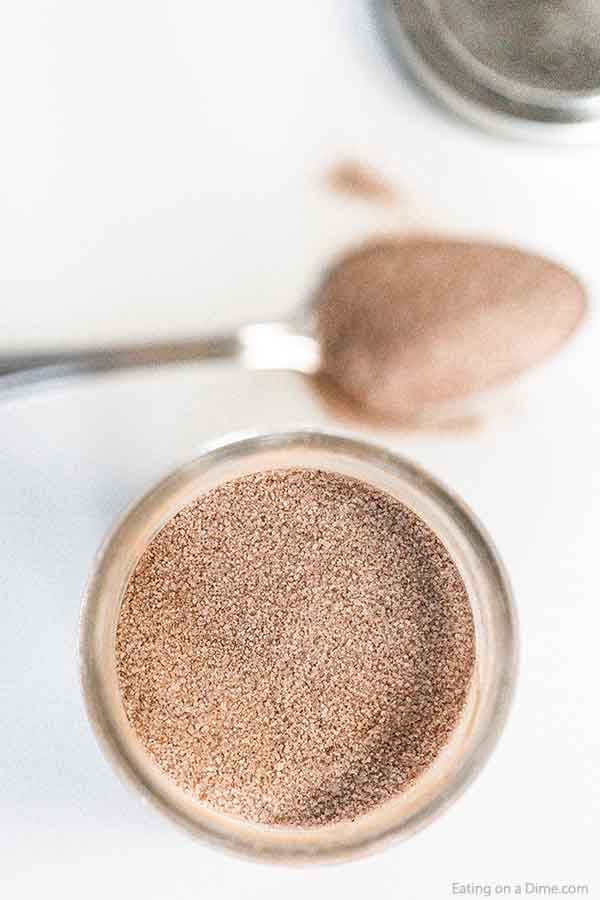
(160,169)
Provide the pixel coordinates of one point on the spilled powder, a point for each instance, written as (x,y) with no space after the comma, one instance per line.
(295,647)
(408,324)
(354,179)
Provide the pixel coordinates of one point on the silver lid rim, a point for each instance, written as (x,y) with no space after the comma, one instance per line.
(562,117)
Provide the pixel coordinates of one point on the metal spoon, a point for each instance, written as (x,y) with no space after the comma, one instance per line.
(286,345)
(398,326)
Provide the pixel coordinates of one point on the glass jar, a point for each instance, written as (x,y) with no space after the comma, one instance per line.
(490,690)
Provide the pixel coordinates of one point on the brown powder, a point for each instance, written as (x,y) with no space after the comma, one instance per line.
(409,323)
(295,647)
(436,420)
(353,179)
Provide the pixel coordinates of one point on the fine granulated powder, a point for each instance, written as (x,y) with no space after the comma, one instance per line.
(406,325)
(295,647)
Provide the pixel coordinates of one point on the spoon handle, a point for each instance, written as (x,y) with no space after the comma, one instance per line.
(26,370)
(262,345)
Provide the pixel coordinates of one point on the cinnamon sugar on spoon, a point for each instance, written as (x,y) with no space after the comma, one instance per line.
(409,324)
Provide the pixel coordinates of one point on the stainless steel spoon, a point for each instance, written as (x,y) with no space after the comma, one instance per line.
(398,326)
(286,345)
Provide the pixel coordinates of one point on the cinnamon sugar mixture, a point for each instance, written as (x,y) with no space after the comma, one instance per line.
(295,647)
(405,325)
(352,179)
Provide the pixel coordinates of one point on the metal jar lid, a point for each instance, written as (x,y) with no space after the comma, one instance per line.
(532,66)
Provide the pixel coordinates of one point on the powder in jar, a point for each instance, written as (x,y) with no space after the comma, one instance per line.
(295,647)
